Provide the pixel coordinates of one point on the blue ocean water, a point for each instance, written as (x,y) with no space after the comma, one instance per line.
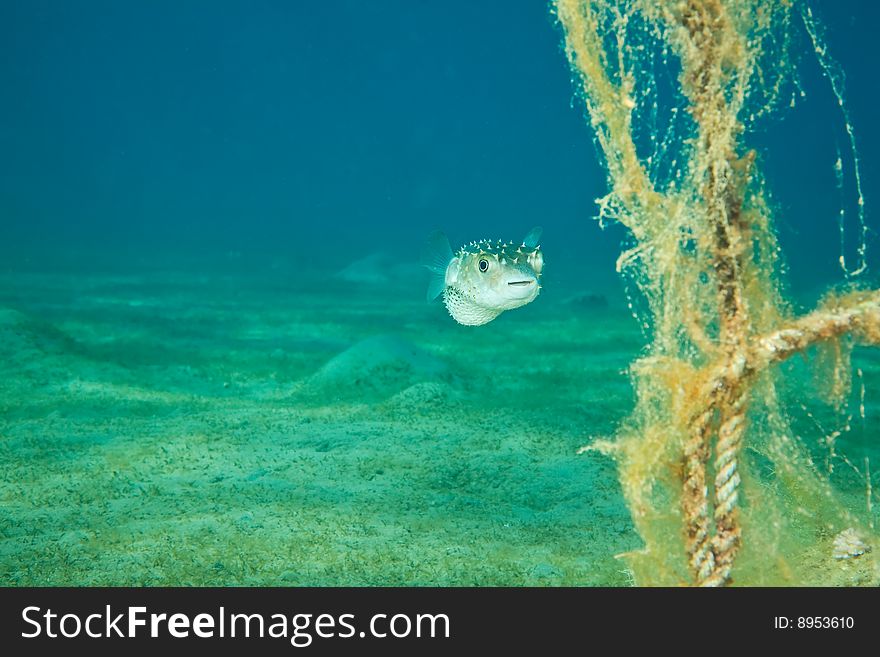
(181,184)
(330,129)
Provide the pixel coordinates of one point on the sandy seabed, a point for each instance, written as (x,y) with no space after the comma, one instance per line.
(222,424)
(179,425)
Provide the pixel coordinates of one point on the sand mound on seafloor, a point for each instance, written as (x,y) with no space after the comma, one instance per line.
(381,269)
(377,368)
(425,397)
(372,269)
(22,338)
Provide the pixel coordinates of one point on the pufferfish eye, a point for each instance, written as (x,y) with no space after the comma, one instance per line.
(484,264)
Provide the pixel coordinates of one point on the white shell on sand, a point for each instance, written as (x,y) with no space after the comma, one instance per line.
(849,545)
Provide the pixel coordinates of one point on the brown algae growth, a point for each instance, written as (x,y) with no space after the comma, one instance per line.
(719,484)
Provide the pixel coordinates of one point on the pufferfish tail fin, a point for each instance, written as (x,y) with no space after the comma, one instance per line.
(533,238)
(436,256)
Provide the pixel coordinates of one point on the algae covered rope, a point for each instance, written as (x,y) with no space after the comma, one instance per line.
(695,501)
(728,532)
(703,237)
(709,32)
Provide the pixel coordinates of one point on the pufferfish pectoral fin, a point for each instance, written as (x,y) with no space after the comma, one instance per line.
(533,238)
(436,256)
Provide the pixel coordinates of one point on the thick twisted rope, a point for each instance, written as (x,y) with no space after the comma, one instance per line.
(695,499)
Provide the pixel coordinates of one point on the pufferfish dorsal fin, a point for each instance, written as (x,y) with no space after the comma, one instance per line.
(436,256)
(533,238)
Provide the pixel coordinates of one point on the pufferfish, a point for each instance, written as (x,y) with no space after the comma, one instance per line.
(484,278)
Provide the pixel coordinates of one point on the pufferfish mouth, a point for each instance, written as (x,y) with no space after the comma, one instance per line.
(520,283)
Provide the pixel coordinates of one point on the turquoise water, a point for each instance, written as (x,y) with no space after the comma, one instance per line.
(216,362)
(202,424)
